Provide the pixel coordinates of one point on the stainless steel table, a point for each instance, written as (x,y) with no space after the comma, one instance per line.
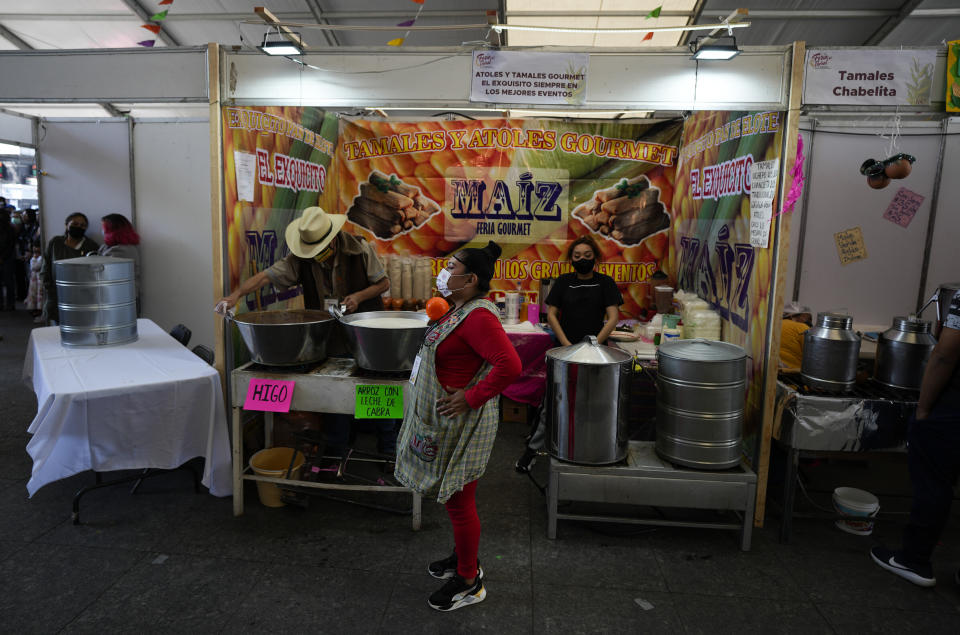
(646,479)
(328,387)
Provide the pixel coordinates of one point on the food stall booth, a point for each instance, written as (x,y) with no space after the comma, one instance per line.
(358,134)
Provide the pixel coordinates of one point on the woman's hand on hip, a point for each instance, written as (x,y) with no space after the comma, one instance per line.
(453,404)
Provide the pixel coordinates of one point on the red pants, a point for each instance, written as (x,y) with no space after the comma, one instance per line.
(462,509)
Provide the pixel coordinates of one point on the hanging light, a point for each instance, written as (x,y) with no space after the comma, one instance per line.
(277,43)
(716,48)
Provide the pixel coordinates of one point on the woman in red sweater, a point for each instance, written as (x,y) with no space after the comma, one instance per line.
(450,420)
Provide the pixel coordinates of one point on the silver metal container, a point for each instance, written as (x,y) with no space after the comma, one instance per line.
(97,301)
(830,353)
(384,349)
(286,338)
(701,389)
(588,387)
(902,353)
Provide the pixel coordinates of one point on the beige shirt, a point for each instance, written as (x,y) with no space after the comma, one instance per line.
(286,273)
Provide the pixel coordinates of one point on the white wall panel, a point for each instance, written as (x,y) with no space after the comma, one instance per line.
(16,128)
(886,283)
(172,175)
(87,169)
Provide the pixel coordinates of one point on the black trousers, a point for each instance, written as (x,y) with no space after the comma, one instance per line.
(933,456)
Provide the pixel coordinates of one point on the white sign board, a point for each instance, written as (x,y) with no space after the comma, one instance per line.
(869,77)
(763,188)
(245,167)
(517,77)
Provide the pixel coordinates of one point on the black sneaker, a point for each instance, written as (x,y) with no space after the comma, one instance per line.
(456,593)
(919,575)
(526,461)
(447,568)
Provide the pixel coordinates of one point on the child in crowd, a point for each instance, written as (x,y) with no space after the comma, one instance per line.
(35,290)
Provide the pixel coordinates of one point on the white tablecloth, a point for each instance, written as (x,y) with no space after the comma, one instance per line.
(152,403)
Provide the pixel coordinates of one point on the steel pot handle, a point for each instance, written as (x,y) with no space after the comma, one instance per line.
(335,311)
(592,339)
(222,310)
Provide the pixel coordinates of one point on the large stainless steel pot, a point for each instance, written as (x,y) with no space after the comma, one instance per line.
(97,300)
(588,386)
(286,338)
(830,353)
(701,389)
(902,353)
(384,349)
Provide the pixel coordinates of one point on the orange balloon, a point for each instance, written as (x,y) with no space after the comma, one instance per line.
(436,307)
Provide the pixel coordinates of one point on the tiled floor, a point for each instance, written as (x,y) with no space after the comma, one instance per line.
(170,561)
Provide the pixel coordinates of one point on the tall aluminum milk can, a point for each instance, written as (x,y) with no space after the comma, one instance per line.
(830,352)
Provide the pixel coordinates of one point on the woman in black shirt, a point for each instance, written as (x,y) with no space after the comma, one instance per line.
(582,302)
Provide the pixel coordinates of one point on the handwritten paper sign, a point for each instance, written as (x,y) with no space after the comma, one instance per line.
(244,164)
(763,188)
(269,395)
(379,402)
(903,207)
(850,245)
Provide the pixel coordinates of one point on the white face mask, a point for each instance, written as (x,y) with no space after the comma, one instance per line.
(443,278)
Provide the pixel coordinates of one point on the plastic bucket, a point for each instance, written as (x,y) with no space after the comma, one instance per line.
(850,501)
(274,462)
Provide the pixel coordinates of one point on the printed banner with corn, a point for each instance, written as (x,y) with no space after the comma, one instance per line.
(428,188)
(710,250)
(275,164)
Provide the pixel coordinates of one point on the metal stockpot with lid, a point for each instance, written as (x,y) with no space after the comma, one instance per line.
(941,298)
(701,390)
(830,353)
(96,300)
(588,386)
(902,353)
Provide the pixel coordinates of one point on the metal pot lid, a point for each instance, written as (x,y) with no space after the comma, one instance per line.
(911,325)
(588,352)
(834,321)
(700,350)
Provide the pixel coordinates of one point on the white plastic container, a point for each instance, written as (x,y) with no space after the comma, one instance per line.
(850,501)
(511,304)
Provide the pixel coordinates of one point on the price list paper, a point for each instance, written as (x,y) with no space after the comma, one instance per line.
(763,189)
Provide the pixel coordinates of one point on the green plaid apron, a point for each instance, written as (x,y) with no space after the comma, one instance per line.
(438,455)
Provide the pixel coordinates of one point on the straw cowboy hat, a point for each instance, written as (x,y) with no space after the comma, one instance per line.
(310,234)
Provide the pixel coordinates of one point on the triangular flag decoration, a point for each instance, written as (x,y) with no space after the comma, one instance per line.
(418,1)
(156,17)
(653,14)
(648,36)
(396,42)
(147,43)
(163,2)
(406,23)
(153,28)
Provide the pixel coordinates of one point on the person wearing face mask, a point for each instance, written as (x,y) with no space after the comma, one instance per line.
(451,415)
(330,265)
(582,302)
(120,240)
(72,244)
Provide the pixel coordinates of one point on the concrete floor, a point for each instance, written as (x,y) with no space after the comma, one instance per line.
(169,560)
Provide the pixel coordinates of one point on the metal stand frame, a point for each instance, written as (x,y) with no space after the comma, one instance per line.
(646,480)
(137,479)
(329,388)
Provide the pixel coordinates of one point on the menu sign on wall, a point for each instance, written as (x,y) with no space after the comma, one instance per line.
(516,77)
(869,77)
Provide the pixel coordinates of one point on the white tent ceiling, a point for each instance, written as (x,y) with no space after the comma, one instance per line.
(85,24)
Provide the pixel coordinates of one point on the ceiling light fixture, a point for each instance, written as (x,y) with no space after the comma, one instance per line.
(276,43)
(715,48)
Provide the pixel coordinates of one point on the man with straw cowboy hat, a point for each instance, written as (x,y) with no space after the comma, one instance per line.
(331,265)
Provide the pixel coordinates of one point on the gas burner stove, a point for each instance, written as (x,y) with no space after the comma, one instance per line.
(868,389)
